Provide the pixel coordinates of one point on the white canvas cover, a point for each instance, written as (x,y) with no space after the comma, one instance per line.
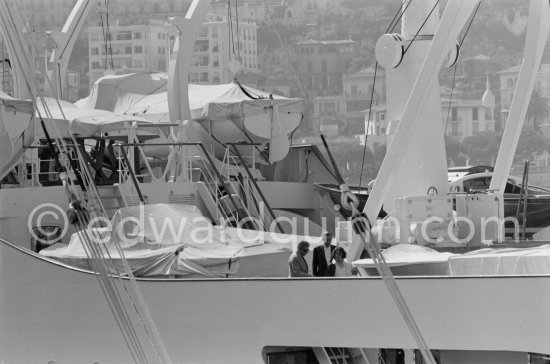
(169,239)
(512,261)
(229,112)
(16,130)
(410,259)
(64,117)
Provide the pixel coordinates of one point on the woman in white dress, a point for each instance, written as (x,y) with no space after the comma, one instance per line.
(339,267)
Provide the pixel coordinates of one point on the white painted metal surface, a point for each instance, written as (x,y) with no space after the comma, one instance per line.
(535,40)
(51,312)
(65,40)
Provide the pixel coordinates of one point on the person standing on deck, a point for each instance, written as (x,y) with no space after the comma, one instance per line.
(297,265)
(322,255)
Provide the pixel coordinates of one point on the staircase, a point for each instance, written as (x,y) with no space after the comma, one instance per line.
(115,197)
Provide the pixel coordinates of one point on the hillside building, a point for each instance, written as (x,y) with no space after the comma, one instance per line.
(460,118)
(147,48)
(508,81)
(321,65)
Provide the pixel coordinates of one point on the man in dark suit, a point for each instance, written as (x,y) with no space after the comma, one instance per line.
(322,255)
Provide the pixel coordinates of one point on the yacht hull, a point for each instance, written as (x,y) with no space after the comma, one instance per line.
(49,311)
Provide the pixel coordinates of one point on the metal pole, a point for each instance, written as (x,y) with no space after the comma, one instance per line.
(523,183)
(525,200)
(132,175)
(257,187)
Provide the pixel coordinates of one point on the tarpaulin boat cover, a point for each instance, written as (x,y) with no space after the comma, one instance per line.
(176,240)
(146,93)
(64,117)
(228,112)
(513,261)
(16,130)
(410,259)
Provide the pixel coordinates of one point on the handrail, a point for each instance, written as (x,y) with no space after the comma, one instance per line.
(131,171)
(256,185)
(206,154)
(219,175)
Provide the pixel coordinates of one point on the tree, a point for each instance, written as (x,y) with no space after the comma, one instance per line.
(455,152)
(531,143)
(482,148)
(538,108)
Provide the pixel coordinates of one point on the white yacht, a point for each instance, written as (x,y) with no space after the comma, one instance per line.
(88,296)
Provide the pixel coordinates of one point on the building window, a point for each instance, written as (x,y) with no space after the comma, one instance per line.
(454,114)
(94,51)
(126,35)
(128,49)
(138,49)
(204,77)
(96,65)
(510,83)
(137,35)
(474,113)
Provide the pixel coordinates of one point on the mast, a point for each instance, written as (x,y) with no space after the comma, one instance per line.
(416,158)
(188,29)
(14,32)
(65,40)
(535,40)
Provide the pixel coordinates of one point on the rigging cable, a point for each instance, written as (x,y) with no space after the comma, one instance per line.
(456,63)
(421,26)
(109,33)
(368,123)
(136,302)
(103,31)
(238,34)
(398,15)
(362,227)
(286,53)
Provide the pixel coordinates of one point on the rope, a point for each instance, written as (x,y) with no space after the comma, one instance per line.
(112,293)
(361,225)
(368,123)
(396,18)
(421,26)
(456,63)
(238,34)
(109,32)
(450,99)
(285,50)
